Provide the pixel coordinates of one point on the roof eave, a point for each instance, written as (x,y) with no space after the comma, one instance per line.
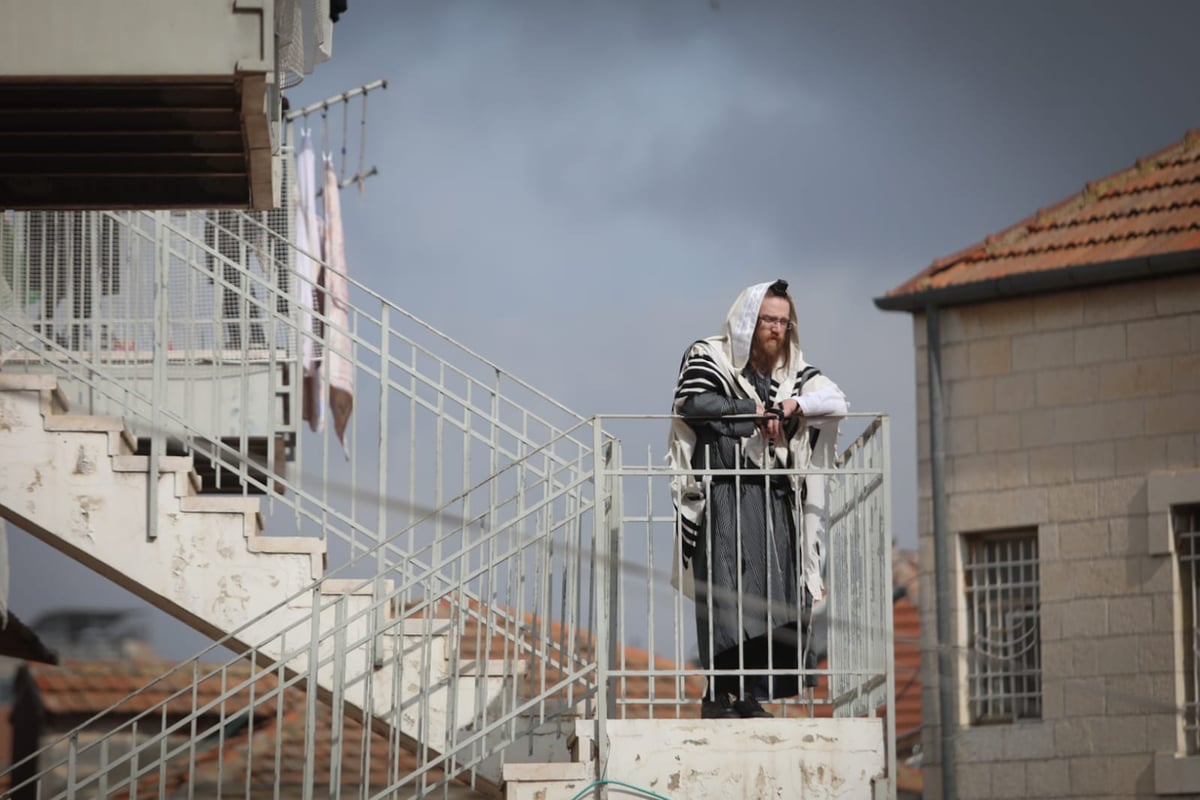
(18,640)
(1027,283)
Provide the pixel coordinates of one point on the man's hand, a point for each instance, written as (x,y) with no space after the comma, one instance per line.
(790,407)
(772,425)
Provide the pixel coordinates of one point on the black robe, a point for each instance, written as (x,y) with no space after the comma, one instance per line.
(745,561)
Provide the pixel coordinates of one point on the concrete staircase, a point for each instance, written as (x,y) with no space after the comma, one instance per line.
(74,482)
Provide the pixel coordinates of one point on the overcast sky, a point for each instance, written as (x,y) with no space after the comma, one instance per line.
(579,190)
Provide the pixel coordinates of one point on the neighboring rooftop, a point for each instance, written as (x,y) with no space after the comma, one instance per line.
(1139,222)
(906,629)
(18,640)
(256,756)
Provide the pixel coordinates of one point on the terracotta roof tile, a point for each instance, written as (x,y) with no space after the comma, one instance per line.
(276,747)
(907,631)
(85,688)
(1149,209)
(78,687)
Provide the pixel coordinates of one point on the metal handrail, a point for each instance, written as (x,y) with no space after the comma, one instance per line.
(436,570)
(435,590)
(483,411)
(591,664)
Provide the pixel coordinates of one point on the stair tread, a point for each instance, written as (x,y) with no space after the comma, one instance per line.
(84,423)
(222,504)
(287,544)
(548,771)
(355,586)
(125,463)
(15,382)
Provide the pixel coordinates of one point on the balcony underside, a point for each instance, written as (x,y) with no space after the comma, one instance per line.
(123,144)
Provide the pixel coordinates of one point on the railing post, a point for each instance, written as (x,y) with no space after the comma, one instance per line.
(158,379)
(604,597)
(612,517)
(381,566)
(885,535)
(311,685)
(72,766)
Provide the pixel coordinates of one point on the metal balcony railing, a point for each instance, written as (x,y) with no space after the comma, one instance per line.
(190,326)
(468,499)
(557,567)
(501,588)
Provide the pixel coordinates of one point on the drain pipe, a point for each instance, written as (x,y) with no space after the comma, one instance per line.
(947,699)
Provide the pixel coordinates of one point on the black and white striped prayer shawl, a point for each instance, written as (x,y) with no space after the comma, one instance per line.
(715,365)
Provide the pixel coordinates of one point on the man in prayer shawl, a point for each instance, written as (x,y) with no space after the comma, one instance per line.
(750,545)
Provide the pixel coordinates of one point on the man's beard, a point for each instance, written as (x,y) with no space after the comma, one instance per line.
(766,352)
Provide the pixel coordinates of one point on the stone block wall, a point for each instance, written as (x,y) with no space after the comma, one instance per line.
(1058,409)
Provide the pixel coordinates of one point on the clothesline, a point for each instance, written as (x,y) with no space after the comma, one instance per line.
(343,99)
(356,178)
(335,99)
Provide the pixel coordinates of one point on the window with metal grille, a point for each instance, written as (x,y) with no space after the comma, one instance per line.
(1185,522)
(1004,665)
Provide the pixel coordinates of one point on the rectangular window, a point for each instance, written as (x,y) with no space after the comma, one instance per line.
(1004,651)
(1185,522)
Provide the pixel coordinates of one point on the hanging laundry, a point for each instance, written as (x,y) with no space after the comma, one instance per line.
(308,245)
(336,298)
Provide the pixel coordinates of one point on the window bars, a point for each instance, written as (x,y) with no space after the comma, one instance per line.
(1186,524)
(1004,672)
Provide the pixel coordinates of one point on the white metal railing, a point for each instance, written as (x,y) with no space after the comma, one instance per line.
(188,325)
(558,567)
(504,580)
(658,671)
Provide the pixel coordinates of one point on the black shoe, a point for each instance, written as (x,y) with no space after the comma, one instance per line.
(749,708)
(719,708)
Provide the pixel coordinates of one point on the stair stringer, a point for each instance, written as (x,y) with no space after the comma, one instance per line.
(75,483)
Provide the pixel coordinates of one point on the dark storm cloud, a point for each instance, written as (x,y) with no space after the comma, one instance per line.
(595,181)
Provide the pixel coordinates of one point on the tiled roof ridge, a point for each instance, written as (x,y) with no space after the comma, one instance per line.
(1013,252)
(1090,193)
(1113,215)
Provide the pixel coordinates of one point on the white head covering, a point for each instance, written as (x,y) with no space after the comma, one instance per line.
(730,351)
(742,320)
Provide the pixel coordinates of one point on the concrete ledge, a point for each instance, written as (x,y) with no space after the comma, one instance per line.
(719,759)
(1174,774)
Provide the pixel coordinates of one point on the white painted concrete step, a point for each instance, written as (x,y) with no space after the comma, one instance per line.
(74,482)
(741,759)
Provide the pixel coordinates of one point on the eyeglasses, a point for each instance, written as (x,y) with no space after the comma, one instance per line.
(774,322)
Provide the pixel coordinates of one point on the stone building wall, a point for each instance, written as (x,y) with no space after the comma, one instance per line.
(1060,410)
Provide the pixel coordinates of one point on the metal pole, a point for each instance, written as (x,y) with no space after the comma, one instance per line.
(885,541)
(337,98)
(603,589)
(947,700)
(381,566)
(158,380)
